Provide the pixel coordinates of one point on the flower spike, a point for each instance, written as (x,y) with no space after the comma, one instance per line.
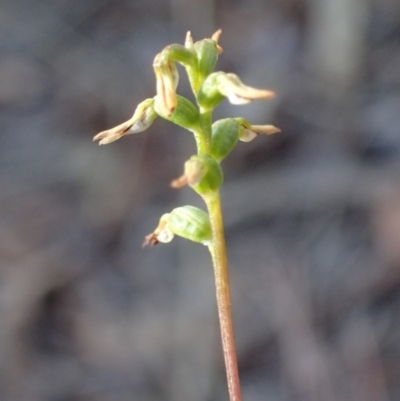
(142,118)
(202,172)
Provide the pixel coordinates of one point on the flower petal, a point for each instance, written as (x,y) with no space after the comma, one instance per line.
(248,133)
(233,88)
(167,81)
(265,129)
(142,118)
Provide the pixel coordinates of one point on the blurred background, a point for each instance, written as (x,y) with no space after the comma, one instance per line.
(312,214)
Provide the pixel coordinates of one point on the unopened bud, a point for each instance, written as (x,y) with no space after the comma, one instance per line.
(207,56)
(206,53)
(142,118)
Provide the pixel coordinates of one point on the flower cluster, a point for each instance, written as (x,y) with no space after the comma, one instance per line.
(214,141)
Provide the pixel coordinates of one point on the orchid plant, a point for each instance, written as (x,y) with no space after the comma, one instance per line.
(202,171)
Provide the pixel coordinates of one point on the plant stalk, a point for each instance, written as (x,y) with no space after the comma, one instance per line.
(220,262)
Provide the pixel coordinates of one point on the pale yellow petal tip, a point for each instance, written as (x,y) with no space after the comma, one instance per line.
(189,40)
(270,94)
(101,135)
(254,93)
(111,135)
(274,130)
(215,36)
(266,129)
(233,88)
(107,137)
(97,137)
(108,140)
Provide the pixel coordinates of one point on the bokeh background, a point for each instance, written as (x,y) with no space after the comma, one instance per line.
(312,214)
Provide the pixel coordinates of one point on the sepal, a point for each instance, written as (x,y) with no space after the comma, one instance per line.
(224,137)
(185,113)
(207,56)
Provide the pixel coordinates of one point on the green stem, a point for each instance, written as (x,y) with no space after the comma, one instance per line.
(206,122)
(202,134)
(201,142)
(220,262)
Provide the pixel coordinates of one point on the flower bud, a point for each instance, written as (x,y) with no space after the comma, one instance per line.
(167,78)
(225,135)
(249,132)
(185,114)
(206,53)
(202,173)
(188,222)
(207,56)
(141,120)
